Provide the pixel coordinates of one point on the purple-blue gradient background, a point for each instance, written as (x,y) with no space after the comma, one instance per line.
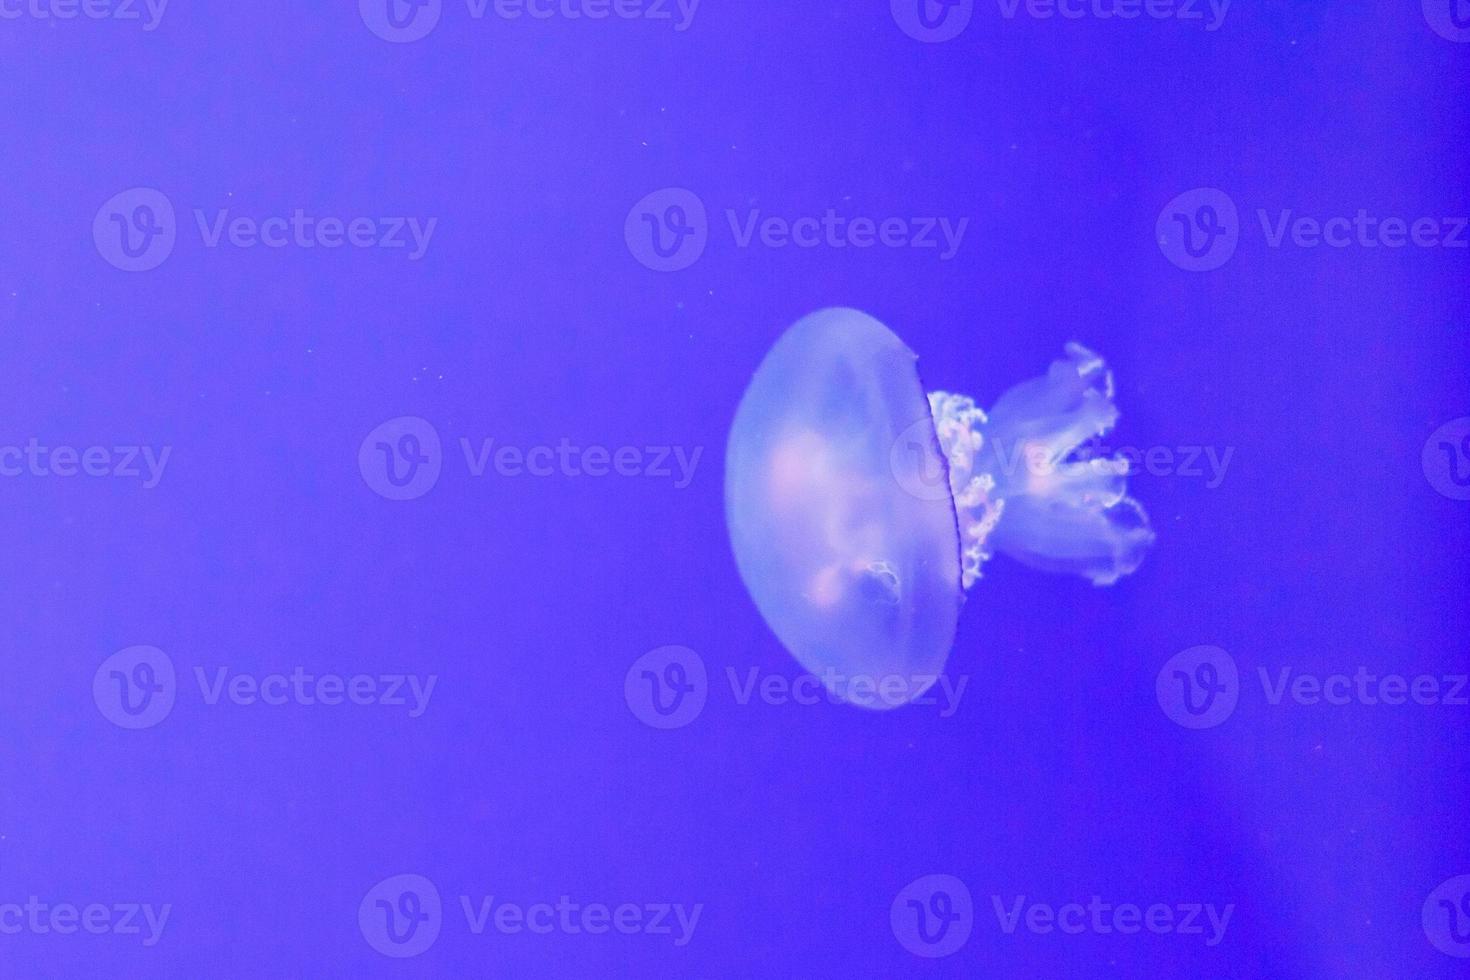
(529,321)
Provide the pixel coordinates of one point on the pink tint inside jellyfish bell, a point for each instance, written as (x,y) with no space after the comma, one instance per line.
(860,509)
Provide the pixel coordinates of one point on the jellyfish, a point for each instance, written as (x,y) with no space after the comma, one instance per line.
(861,509)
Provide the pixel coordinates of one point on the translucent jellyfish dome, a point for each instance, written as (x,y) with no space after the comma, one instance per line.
(860,509)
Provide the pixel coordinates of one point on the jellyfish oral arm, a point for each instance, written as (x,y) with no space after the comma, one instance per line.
(1019,487)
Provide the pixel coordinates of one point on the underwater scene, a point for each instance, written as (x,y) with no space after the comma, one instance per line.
(682,488)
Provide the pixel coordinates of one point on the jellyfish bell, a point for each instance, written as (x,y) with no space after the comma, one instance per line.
(857,577)
(860,508)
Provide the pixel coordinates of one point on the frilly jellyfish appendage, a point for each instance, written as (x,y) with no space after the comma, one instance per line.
(1019,486)
(860,509)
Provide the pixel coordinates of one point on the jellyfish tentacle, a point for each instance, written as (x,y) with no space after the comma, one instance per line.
(1019,487)
(959,424)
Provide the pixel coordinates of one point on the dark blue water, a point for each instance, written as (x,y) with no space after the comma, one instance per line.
(264,559)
